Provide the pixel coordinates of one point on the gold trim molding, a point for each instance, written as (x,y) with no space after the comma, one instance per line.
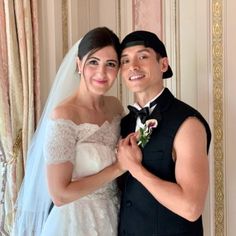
(64,26)
(217,59)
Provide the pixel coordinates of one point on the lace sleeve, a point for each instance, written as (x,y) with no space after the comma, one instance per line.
(60,142)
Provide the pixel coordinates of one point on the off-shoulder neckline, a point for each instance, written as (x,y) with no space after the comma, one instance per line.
(67,121)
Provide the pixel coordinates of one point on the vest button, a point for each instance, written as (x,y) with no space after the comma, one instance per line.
(128,203)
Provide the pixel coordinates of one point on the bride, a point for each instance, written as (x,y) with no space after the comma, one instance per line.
(72,160)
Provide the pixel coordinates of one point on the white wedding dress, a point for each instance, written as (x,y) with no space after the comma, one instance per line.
(90,148)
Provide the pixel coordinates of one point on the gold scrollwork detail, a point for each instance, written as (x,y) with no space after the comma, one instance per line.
(217,29)
(217,56)
(217,8)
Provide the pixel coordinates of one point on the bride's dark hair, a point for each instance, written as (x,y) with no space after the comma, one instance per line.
(96,39)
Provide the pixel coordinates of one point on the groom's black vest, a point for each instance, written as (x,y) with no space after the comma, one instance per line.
(141,214)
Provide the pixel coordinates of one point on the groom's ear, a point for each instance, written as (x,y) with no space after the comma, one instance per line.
(164,64)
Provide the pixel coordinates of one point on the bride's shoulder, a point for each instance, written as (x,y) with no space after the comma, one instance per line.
(66,110)
(60,112)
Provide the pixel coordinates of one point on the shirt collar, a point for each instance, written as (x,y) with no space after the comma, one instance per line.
(139,124)
(136,105)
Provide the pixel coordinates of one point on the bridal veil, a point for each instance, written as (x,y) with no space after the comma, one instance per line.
(33,203)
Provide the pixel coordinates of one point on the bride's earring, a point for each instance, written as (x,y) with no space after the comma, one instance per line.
(78,62)
(79,74)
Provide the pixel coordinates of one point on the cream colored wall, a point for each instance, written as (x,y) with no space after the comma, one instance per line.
(193,75)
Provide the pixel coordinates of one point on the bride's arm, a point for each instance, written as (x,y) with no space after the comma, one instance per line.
(60,151)
(63,190)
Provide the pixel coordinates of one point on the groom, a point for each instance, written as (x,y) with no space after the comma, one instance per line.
(166,182)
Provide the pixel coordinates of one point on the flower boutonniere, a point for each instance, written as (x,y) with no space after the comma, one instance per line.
(146,131)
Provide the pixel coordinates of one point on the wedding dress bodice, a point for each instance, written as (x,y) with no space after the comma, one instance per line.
(90,148)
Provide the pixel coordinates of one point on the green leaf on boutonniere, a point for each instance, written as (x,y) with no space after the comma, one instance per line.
(144,133)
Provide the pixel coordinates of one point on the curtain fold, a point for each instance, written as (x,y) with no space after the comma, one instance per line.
(5,125)
(19,99)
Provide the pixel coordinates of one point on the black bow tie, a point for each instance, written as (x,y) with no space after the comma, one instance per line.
(143,114)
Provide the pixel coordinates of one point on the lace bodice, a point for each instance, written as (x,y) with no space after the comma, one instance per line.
(88,146)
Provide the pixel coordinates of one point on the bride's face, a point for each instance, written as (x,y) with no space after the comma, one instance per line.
(99,70)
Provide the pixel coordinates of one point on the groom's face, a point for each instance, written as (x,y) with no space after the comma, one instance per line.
(140,69)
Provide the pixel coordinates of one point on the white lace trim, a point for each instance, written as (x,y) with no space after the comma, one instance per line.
(63,136)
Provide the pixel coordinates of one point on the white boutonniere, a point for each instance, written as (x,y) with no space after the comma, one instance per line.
(144,133)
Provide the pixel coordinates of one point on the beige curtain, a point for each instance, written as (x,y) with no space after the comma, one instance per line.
(19,97)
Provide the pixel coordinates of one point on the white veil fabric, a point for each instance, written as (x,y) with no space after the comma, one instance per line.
(33,203)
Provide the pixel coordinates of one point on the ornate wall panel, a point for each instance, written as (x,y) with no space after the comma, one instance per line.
(64,22)
(205,52)
(51,42)
(147,15)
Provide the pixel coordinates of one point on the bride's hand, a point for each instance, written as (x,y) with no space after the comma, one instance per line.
(129,154)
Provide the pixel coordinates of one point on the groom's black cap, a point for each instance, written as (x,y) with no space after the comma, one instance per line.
(150,40)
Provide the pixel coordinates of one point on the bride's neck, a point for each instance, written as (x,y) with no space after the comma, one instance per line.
(91,102)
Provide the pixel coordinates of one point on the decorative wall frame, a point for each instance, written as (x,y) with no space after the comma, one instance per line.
(218,135)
